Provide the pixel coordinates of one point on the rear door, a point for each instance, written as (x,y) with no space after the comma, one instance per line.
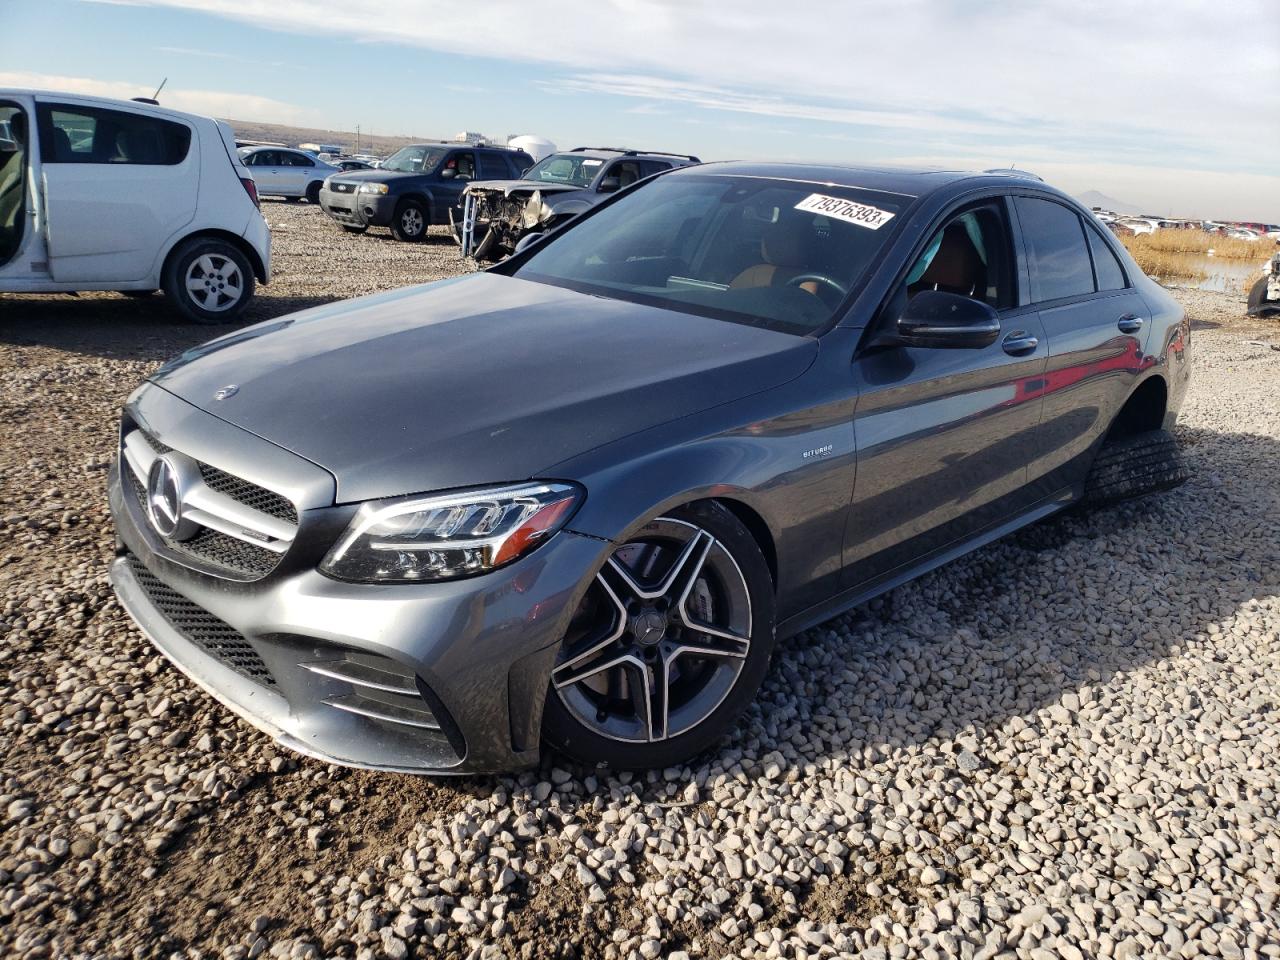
(1096,323)
(295,172)
(944,436)
(117,185)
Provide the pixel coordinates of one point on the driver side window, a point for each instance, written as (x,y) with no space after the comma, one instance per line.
(969,256)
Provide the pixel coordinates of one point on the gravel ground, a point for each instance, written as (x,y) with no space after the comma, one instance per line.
(1062,746)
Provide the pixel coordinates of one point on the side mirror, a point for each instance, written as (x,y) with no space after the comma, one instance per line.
(609,185)
(528,240)
(933,318)
(448,173)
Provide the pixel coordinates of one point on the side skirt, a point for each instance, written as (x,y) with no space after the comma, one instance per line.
(868,590)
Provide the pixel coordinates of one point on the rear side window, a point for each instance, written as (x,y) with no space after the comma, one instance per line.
(1056,247)
(1105,265)
(74,134)
(297,160)
(491,166)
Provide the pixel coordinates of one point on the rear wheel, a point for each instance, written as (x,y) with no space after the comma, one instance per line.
(208,280)
(1133,466)
(410,221)
(668,646)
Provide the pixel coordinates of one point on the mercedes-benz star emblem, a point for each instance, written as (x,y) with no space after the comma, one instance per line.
(225,393)
(164,498)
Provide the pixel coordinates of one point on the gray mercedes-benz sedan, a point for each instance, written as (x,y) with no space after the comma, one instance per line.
(574,500)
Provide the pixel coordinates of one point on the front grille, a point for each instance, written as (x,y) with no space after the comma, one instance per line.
(250,494)
(343,187)
(215,547)
(241,558)
(197,625)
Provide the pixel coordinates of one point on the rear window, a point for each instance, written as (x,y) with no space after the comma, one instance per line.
(75,134)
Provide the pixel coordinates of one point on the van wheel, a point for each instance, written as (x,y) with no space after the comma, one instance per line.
(313,192)
(1134,466)
(410,221)
(208,280)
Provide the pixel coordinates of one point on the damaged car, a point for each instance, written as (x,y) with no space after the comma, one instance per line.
(497,215)
(1264,295)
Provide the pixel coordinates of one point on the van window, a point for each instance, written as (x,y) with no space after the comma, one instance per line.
(74,134)
(491,166)
(1059,258)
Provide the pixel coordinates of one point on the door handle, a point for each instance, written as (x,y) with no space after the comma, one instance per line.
(1019,343)
(1129,323)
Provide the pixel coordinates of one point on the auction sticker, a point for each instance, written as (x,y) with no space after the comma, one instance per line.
(873,218)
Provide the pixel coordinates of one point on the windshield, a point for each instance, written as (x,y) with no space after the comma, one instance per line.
(569,168)
(414,159)
(775,253)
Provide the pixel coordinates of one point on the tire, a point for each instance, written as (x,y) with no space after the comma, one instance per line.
(352,228)
(1259,306)
(313,192)
(410,221)
(1133,466)
(208,280)
(593,714)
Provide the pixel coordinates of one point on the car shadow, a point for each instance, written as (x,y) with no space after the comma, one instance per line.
(113,326)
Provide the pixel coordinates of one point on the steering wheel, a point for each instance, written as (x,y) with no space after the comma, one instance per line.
(820,278)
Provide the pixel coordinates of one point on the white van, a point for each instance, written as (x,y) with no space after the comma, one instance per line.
(99,194)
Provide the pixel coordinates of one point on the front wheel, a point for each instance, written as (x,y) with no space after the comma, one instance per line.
(208,280)
(668,646)
(313,192)
(1133,466)
(410,221)
(1259,305)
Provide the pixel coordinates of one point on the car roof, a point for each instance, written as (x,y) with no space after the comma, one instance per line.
(463,146)
(907,181)
(608,153)
(89,100)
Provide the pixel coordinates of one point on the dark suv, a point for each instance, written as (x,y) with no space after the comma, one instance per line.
(497,216)
(417,186)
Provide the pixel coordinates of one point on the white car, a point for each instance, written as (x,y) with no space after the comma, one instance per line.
(288,173)
(99,194)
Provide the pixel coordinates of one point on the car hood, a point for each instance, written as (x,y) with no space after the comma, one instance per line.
(508,187)
(476,380)
(377,176)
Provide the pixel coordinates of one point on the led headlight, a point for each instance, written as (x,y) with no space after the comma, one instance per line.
(372,188)
(415,539)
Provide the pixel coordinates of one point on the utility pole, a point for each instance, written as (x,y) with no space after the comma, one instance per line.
(357,138)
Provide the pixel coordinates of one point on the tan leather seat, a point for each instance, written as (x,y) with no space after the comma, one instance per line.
(956,267)
(784,255)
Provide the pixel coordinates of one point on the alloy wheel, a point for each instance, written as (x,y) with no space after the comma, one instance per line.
(411,221)
(660,638)
(214,282)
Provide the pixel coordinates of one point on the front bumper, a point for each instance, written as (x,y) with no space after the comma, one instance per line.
(358,209)
(480,650)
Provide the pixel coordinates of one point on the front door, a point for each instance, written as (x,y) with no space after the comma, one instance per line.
(13,179)
(944,436)
(117,186)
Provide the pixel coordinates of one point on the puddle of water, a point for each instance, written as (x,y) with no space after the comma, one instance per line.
(1226,276)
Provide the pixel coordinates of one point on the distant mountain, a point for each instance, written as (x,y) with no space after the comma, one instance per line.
(1095,198)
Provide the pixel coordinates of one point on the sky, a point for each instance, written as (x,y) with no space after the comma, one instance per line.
(1173,107)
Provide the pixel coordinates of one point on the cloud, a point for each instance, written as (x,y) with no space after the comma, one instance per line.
(1177,68)
(213,103)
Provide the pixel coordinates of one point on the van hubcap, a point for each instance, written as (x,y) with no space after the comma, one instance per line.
(660,638)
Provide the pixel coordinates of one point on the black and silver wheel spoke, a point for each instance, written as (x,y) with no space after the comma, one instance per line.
(643,666)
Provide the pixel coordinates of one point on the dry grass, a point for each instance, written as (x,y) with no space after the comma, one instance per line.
(1198,242)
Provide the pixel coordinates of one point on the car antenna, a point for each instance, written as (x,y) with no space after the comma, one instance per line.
(156,96)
